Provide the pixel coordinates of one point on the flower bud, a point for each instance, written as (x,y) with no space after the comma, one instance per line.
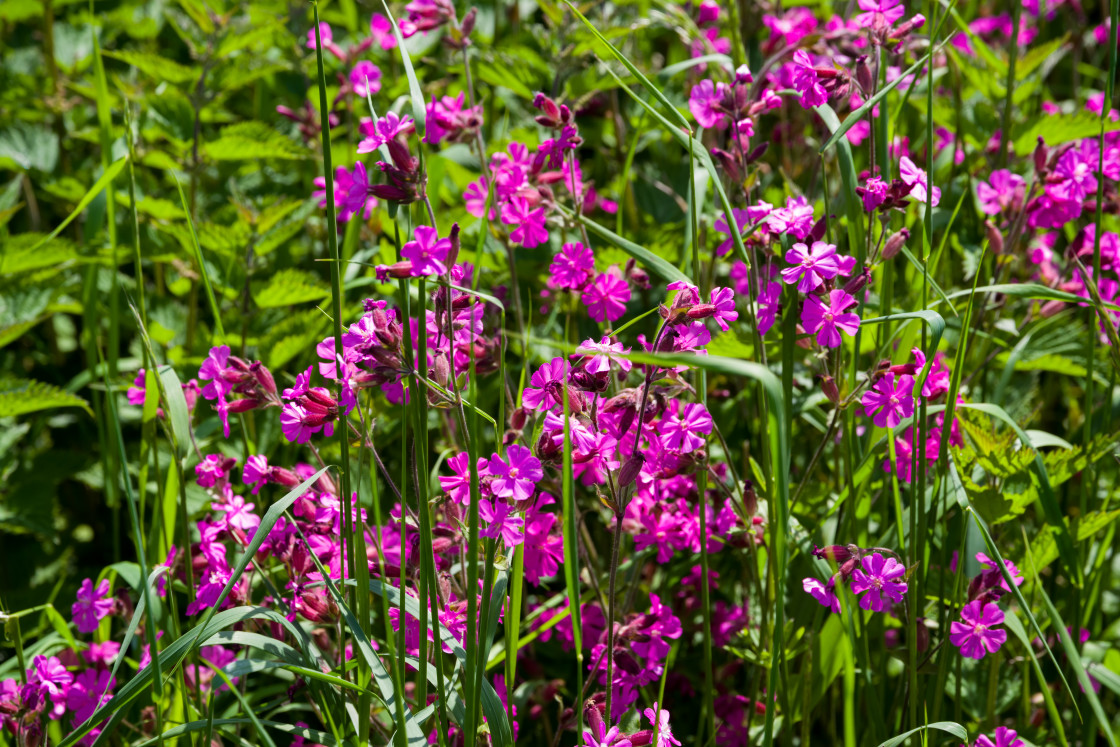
(994,236)
(828,386)
(863,74)
(743,75)
(467,25)
(517,419)
(757,152)
(1041,157)
(817,232)
(630,471)
(895,243)
(263,377)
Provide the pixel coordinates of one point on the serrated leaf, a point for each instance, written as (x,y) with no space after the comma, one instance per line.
(1059,129)
(249,141)
(22,396)
(154,66)
(23,253)
(289,287)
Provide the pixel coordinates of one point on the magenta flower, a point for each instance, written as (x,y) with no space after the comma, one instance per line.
(704,103)
(604,737)
(1004,737)
(769,302)
(92,606)
(796,218)
(572,268)
(295,423)
(811,265)
(1000,192)
(255,472)
(499,520)
(357,196)
(51,677)
(805,81)
(828,321)
(686,432)
(381,30)
(607,296)
(888,404)
(90,691)
(383,130)
(211,470)
(602,354)
(878,578)
(1012,570)
(874,10)
(918,181)
(427,252)
(137,393)
(1073,178)
(724,301)
(659,720)
(546,388)
(365,78)
(517,478)
(974,635)
(823,593)
(458,486)
(874,193)
(530,228)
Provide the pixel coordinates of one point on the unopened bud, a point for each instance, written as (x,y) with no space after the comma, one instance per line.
(828,386)
(1041,157)
(757,152)
(863,74)
(630,471)
(895,243)
(467,26)
(453,237)
(817,232)
(517,419)
(994,236)
(743,75)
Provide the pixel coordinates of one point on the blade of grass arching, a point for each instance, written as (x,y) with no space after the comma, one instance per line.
(1052,511)
(998,557)
(849,179)
(208,724)
(652,262)
(138,534)
(101,185)
(221,333)
(261,733)
(701,155)
(571,551)
(415,93)
(949,727)
(1016,627)
(680,121)
(922,273)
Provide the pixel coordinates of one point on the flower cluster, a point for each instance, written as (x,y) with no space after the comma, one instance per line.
(868,573)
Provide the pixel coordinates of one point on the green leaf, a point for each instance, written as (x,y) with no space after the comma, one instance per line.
(22,396)
(98,187)
(250,141)
(289,287)
(154,66)
(649,260)
(1056,129)
(950,727)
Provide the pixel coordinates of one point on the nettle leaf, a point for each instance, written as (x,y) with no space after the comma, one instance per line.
(22,396)
(289,287)
(983,435)
(1059,129)
(154,66)
(249,141)
(994,504)
(22,253)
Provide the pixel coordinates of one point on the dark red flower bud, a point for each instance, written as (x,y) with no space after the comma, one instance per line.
(895,243)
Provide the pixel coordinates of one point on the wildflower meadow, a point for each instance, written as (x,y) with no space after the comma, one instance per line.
(552,372)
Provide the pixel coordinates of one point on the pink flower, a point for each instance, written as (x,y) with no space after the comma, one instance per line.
(918,181)
(427,252)
(825,594)
(805,81)
(812,265)
(51,677)
(530,228)
(365,78)
(796,218)
(604,737)
(498,520)
(603,353)
(704,103)
(1073,178)
(90,691)
(383,130)
(211,470)
(517,478)
(974,635)
(659,720)
(878,577)
(1004,738)
(828,321)
(92,606)
(255,472)
(458,486)
(724,301)
(1000,192)
(686,432)
(382,32)
(769,301)
(1012,570)
(888,10)
(887,404)
(572,267)
(546,386)
(607,296)
(874,193)
(137,392)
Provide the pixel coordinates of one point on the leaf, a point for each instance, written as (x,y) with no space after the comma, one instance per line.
(950,727)
(250,141)
(28,251)
(30,146)
(1058,129)
(289,287)
(22,396)
(98,187)
(1045,551)
(154,66)
(648,259)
